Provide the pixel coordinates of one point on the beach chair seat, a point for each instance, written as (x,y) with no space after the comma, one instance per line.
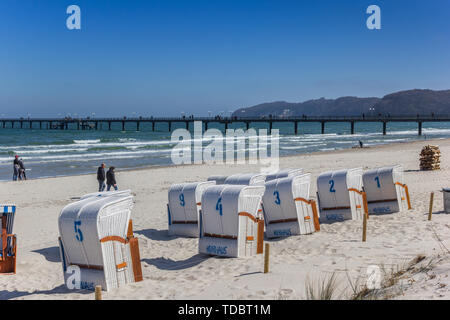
(248,179)
(184,206)
(8,240)
(386,191)
(287,208)
(283,173)
(96,235)
(218,179)
(229,224)
(340,195)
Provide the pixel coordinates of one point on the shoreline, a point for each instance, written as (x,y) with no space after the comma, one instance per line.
(325,152)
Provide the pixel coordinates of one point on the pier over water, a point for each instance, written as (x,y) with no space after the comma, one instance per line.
(106,123)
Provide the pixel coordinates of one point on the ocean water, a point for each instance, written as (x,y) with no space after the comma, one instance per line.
(49,153)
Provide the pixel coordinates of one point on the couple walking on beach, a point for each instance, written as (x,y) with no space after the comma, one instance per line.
(110,177)
(18,169)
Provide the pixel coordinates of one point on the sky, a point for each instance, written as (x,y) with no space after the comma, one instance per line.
(165,58)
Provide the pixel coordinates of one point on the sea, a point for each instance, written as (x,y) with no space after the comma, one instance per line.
(51,153)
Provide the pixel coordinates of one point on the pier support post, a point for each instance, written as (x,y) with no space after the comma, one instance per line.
(206,125)
(123,125)
(12,124)
(153,126)
(187,125)
(226,126)
(420,128)
(384,128)
(138,125)
(170,126)
(296,127)
(323,127)
(31,125)
(247,124)
(21,124)
(270,127)
(3,124)
(352,130)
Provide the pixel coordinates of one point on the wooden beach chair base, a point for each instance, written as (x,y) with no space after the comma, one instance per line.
(8,261)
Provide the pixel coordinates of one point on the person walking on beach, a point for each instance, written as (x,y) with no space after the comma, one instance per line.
(111,179)
(16,168)
(101,176)
(22,173)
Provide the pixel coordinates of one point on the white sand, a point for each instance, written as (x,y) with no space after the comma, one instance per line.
(174,270)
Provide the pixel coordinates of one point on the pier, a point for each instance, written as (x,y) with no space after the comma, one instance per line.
(106,123)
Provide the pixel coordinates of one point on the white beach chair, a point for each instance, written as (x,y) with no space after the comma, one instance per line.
(229,225)
(184,206)
(287,207)
(340,195)
(247,179)
(96,234)
(386,190)
(283,173)
(218,179)
(122,193)
(8,240)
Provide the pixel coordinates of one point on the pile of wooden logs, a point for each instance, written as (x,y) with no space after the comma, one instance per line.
(430,158)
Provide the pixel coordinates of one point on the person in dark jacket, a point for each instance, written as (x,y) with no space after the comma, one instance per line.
(111,179)
(101,176)
(22,174)
(16,168)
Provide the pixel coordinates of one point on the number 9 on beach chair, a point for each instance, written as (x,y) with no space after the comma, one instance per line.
(229,225)
(184,207)
(96,235)
(340,195)
(386,191)
(8,240)
(288,209)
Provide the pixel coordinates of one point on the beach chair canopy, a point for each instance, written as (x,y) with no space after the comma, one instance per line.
(229,224)
(287,207)
(218,179)
(386,190)
(283,173)
(248,179)
(95,236)
(184,207)
(340,195)
(8,241)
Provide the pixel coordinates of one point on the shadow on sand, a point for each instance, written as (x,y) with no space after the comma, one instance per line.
(169,264)
(158,235)
(50,254)
(62,289)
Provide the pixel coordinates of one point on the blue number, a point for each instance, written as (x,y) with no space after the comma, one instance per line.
(377,179)
(332,186)
(182,202)
(78,233)
(277,197)
(219,205)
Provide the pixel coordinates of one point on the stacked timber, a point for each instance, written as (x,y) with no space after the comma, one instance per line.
(430,158)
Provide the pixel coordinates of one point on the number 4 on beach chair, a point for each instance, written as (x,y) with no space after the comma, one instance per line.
(8,240)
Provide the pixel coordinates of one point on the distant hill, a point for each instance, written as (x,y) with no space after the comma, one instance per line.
(405,103)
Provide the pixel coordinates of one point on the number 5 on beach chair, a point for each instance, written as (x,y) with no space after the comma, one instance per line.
(288,209)
(8,240)
(341,196)
(96,236)
(229,225)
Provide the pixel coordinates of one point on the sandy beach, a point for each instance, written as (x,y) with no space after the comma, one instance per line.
(173,269)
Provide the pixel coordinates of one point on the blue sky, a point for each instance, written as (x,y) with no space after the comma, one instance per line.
(167,57)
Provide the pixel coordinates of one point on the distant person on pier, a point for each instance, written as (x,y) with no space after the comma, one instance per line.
(111,179)
(16,168)
(22,173)
(101,177)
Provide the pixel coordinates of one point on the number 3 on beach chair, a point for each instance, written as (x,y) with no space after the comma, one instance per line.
(8,240)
